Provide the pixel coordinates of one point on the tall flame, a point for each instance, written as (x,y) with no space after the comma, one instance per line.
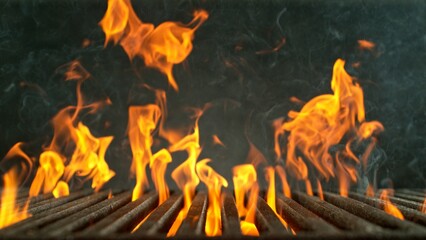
(245,181)
(10,213)
(326,121)
(214,183)
(270,194)
(158,167)
(160,47)
(184,175)
(88,156)
(142,122)
(389,207)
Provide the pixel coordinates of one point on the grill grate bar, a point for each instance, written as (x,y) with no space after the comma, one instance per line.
(42,219)
(408,213)
(125,218)
(86,216)
(196,217)
(52,203)
(161,219)
(370,213)
(335,215)
(416,199)
(301,219)
(230,218)
(112,215)
(412,193)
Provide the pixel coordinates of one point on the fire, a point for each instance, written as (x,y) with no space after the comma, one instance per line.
(184,175)
(214,183)
(160,47)
(323,122)
(319,190)
(245,181)
(10,213)
(423,210)
(158,165)
(270,194)
(389,207)
(142,122)
(283,177)
(88,152)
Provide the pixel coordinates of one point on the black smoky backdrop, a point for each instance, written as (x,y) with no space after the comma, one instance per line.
(249,58)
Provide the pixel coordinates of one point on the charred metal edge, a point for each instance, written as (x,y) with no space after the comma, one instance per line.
(230,218)
(42,219)
(83,218)
(408,213)
(162,218)
(51,203)
(125,218)
(267,221)
(300,218)
(335,215)
(195,220)
(370,213)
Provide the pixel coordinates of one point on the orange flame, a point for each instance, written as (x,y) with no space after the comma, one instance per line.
(423,210)
(161,47)
(142,122)
(158,167)
(88,157)
(325,121)
(214,183)
(283,176)
(61,189)
(184,175)
(10,213)
(270,194)
(217,141)
(245,181)
(369,192)
(389,207)
(319,190)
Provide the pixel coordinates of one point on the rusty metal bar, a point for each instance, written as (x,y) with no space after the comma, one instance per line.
(412,193)
(53,214)
(230,218)
(301,219)
(335,215)
(408,213)
(410,197)
(91,214)
(193,224)
(162,218)
(370,213)
(267,221)
(51,203)
(125,218)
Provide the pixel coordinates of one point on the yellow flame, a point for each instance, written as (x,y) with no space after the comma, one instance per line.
(283,176)
(184,175)
(389,207)
(160,47)
(9,212)
(214,183)
(88,156)
(158,167)
(142,122)
(245,181)
(270,194)
(61,189)
(326,121)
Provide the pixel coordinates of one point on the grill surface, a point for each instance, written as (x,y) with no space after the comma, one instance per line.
(112,215)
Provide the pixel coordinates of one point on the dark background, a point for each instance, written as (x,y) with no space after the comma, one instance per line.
(230,67)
